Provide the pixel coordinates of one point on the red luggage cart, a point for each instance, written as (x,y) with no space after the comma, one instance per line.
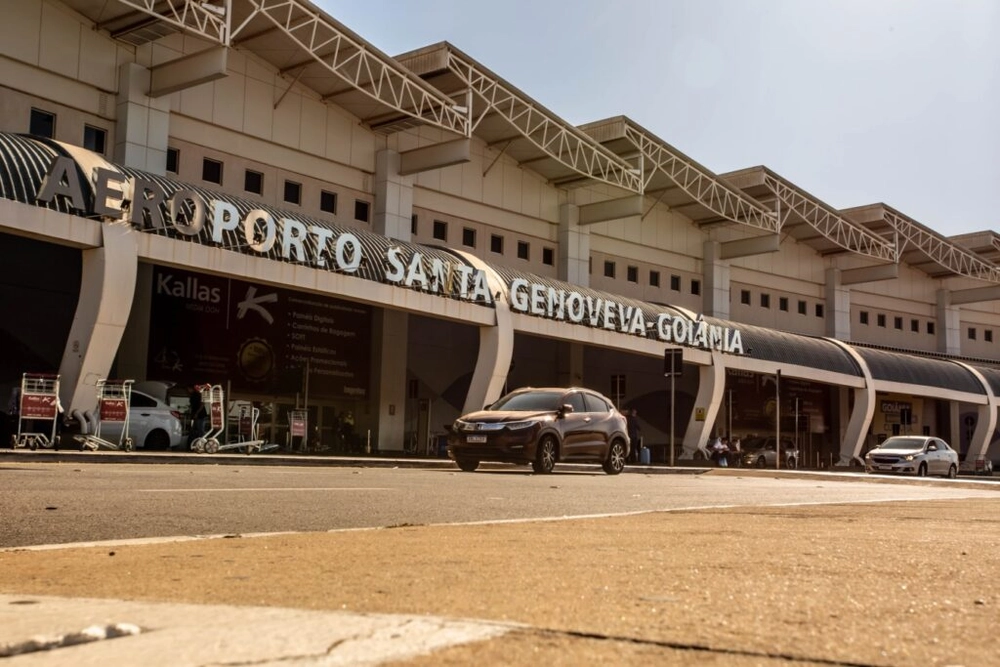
(214,400)
(38,402)
(114,400)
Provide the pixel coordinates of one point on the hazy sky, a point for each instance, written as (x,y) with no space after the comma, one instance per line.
(855,101)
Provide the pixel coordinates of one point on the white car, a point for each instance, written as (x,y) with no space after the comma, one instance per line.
(919,455)
(153,424)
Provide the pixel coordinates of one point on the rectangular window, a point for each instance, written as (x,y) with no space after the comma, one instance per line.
(765,300)
(293,192)
(173,160)
(211,171)
(94,139)
(897,323)
(696,287)
(915,326)
(864,317)
(819,310)
(745,297)
(523,250)
(413,225)
(328,201)
(881,320)
(675,283)
(930,328)
(469,237)
(632,274)
(972,333)
(496,244)
(361,209)
(802,307)
(654,278)
(42,124)
(609,269)
(441,230)
(988,335)
(783,303)
(548,257)
(253,181)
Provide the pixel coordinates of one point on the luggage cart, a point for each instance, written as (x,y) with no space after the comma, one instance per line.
(114,400)
(248,439)
(213,398)
(298,427)
(38,402)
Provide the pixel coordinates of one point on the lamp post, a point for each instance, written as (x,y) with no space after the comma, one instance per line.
(777,420)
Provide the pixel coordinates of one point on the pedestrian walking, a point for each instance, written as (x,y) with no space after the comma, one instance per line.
(634,434)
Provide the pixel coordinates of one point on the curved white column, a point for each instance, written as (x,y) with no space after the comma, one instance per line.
(986,424)
(107,288)
(862,414)
(711,387)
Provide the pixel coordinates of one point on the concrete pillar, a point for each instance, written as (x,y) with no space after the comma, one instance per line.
(390,330)
(949,324)
(570,365)
(838,306)
(393,212)
(574,247)
(715,274)
(393,197)
(143,122)
(106,290)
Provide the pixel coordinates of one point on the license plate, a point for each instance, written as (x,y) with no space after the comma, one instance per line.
(885,467)
(475,438)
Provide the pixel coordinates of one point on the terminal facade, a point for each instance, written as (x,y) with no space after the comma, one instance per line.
(224,193)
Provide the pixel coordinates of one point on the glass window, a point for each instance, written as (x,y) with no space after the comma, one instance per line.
(632,274)
(972,333)
(930,328)
(864,317)
(609,269)
(675,283)
(988,335)
(293,192)
(915,326)
(469,237)
(765,300)
(137,400)
(94,139)
(880,318)
(328,201)
(802,307)
(173,160)
(253,181)
(696,287)
(783,303)
(819,310)
(596,403)
(897,323)
(576,400)
(522,250)
(413,225)
(441,230)
(496,244)
(42,124)
(654,278)
(548,256)
(361,209)
(211,171)
(745,297)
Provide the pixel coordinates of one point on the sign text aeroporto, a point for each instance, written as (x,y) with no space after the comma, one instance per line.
(145,205)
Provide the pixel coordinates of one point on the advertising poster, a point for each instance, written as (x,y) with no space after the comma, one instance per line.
(260,339)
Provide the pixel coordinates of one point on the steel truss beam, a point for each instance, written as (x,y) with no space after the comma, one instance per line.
(831,224)
(704,187)
(328,43)
(944,252)
(554,137)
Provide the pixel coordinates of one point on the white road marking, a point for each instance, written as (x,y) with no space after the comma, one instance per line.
(269,488)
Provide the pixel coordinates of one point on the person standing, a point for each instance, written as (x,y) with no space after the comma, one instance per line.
(634,435)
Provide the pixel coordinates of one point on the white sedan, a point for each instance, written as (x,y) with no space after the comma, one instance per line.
(919,455)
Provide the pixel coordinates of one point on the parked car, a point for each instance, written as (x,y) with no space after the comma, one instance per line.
(542,426)
(153,424)
(760,453)
(919,455)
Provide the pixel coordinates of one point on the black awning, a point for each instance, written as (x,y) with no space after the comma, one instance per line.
(909,369)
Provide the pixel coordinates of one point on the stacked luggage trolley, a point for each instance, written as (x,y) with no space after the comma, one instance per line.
(38,401)
(114,399)
(213,401)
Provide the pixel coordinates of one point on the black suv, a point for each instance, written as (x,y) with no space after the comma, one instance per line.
(542,427)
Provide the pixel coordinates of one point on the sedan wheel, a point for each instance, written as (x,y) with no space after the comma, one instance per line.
(952,472)
(615,462)
(922,470)
(761,463)
(545,456)
(467,465)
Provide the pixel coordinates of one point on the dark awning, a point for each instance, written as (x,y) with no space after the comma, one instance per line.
(910,369)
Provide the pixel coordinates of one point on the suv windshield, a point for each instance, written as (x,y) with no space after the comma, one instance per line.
(530,401)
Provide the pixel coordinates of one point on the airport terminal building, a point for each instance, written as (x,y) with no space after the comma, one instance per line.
(254,196)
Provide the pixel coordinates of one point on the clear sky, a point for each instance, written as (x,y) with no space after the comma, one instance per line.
(855,101)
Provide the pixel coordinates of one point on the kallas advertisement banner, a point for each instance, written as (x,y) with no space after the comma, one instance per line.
(211,329)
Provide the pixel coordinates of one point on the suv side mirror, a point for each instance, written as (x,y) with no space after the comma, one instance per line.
(565,409)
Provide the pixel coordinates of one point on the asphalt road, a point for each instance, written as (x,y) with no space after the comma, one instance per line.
(60,503)
(496,567)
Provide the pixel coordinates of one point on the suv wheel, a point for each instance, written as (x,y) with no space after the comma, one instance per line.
(545,455)
(467,465)
(615,462)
